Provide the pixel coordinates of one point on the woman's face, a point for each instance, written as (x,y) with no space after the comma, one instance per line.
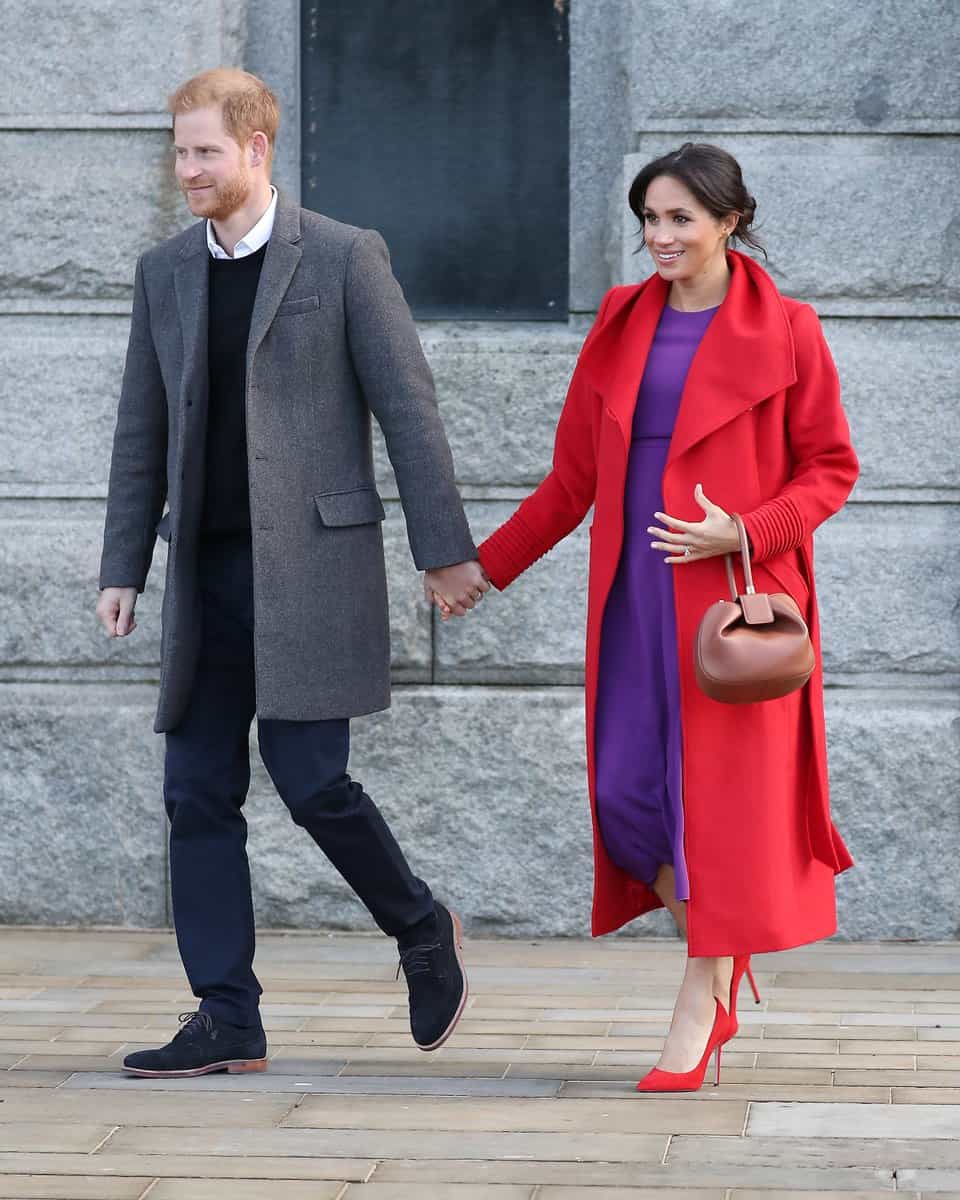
(685,240)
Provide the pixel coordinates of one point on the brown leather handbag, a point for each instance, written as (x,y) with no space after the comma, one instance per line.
(754,646)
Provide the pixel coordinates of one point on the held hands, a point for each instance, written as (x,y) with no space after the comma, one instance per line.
(115,610)
(455,589)
(690,541)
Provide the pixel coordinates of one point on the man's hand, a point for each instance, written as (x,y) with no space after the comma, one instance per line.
(455,589)
(115,610)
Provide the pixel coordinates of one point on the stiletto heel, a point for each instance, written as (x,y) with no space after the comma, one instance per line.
(716,1071)
(753,982)
(690,1081)
(741,967)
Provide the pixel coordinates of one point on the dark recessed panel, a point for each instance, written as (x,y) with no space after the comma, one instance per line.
(446,127)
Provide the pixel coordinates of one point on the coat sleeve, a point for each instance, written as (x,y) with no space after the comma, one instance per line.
(825,466)
(561,502)
(398,386)
(138,468)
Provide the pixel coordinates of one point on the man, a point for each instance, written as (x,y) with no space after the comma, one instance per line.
(262,338)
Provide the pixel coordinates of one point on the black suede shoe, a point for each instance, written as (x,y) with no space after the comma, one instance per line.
(436,980)
(202,1046)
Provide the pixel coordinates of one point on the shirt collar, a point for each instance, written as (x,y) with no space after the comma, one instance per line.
(251,242)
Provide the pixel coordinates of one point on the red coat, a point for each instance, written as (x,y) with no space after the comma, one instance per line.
(761,427)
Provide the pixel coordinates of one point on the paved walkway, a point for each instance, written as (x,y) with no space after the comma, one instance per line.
(846,1079)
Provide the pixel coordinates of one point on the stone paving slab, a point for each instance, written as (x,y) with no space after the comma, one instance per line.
(929,1180)
(628,1176)
(477,1114)
(63,1049)
(950,1079)
(273,1081)
(848,1033)
(71,1187)
(250,1189)
(747,1091)
(576,1073)
(925,1095)
(866,1062)
(787,1153)
(765,1194)
(39,1135)
(61,1062)
(855,1094)
(34,1079)
(142,1107)
(368,1143)
(592,1193)
(853,1120)
(174,1166)
(454,1067)
(455,1191)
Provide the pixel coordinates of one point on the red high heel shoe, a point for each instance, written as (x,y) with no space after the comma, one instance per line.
(741,966)
(690,1081)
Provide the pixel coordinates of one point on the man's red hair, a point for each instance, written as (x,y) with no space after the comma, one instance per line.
(246,103)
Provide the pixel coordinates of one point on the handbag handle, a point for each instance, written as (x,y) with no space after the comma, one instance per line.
(745,555)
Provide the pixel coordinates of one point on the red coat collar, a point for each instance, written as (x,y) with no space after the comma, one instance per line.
(746,355)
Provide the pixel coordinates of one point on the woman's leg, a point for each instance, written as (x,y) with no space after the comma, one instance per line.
(705,980)
(665,887)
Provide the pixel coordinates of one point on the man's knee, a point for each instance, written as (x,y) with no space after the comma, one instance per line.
(342,798)
(198,801)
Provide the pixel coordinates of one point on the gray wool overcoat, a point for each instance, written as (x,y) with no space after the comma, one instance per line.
(331,341)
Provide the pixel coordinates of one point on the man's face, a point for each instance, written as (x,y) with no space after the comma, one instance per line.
(211,167)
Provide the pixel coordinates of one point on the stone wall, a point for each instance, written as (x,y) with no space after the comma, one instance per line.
(846,122)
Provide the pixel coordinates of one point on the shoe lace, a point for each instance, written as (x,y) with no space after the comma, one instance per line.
(417,960)
(194,1022)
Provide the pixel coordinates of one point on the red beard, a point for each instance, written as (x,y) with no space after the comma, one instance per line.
(225,198)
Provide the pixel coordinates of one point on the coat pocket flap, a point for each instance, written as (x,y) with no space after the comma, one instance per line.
(291,307)
(361,506)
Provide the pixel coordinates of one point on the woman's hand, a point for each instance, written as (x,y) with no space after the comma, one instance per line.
(690,541)
(456,589)
(477,582)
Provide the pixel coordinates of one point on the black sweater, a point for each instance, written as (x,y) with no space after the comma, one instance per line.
(233,288)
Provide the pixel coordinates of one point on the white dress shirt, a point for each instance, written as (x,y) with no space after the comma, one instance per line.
(251,242)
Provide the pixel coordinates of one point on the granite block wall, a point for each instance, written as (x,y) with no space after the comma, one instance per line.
(846,121)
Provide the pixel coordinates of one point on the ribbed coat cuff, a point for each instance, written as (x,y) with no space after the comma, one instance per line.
(774,528)
(508,551)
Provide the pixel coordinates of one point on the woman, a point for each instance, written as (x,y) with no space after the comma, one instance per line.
(700,393)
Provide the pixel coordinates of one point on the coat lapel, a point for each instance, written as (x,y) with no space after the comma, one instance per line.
(746,355)
(617,355)
(192,286)
(639,329)
(279,264)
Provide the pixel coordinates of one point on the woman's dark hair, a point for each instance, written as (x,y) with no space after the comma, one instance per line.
(713,176)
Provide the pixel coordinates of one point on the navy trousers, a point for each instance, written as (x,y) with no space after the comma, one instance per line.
(206,778)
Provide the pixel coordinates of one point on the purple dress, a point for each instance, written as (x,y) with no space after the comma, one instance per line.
(638,739)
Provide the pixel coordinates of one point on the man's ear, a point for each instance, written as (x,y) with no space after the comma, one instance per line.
(259,148)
